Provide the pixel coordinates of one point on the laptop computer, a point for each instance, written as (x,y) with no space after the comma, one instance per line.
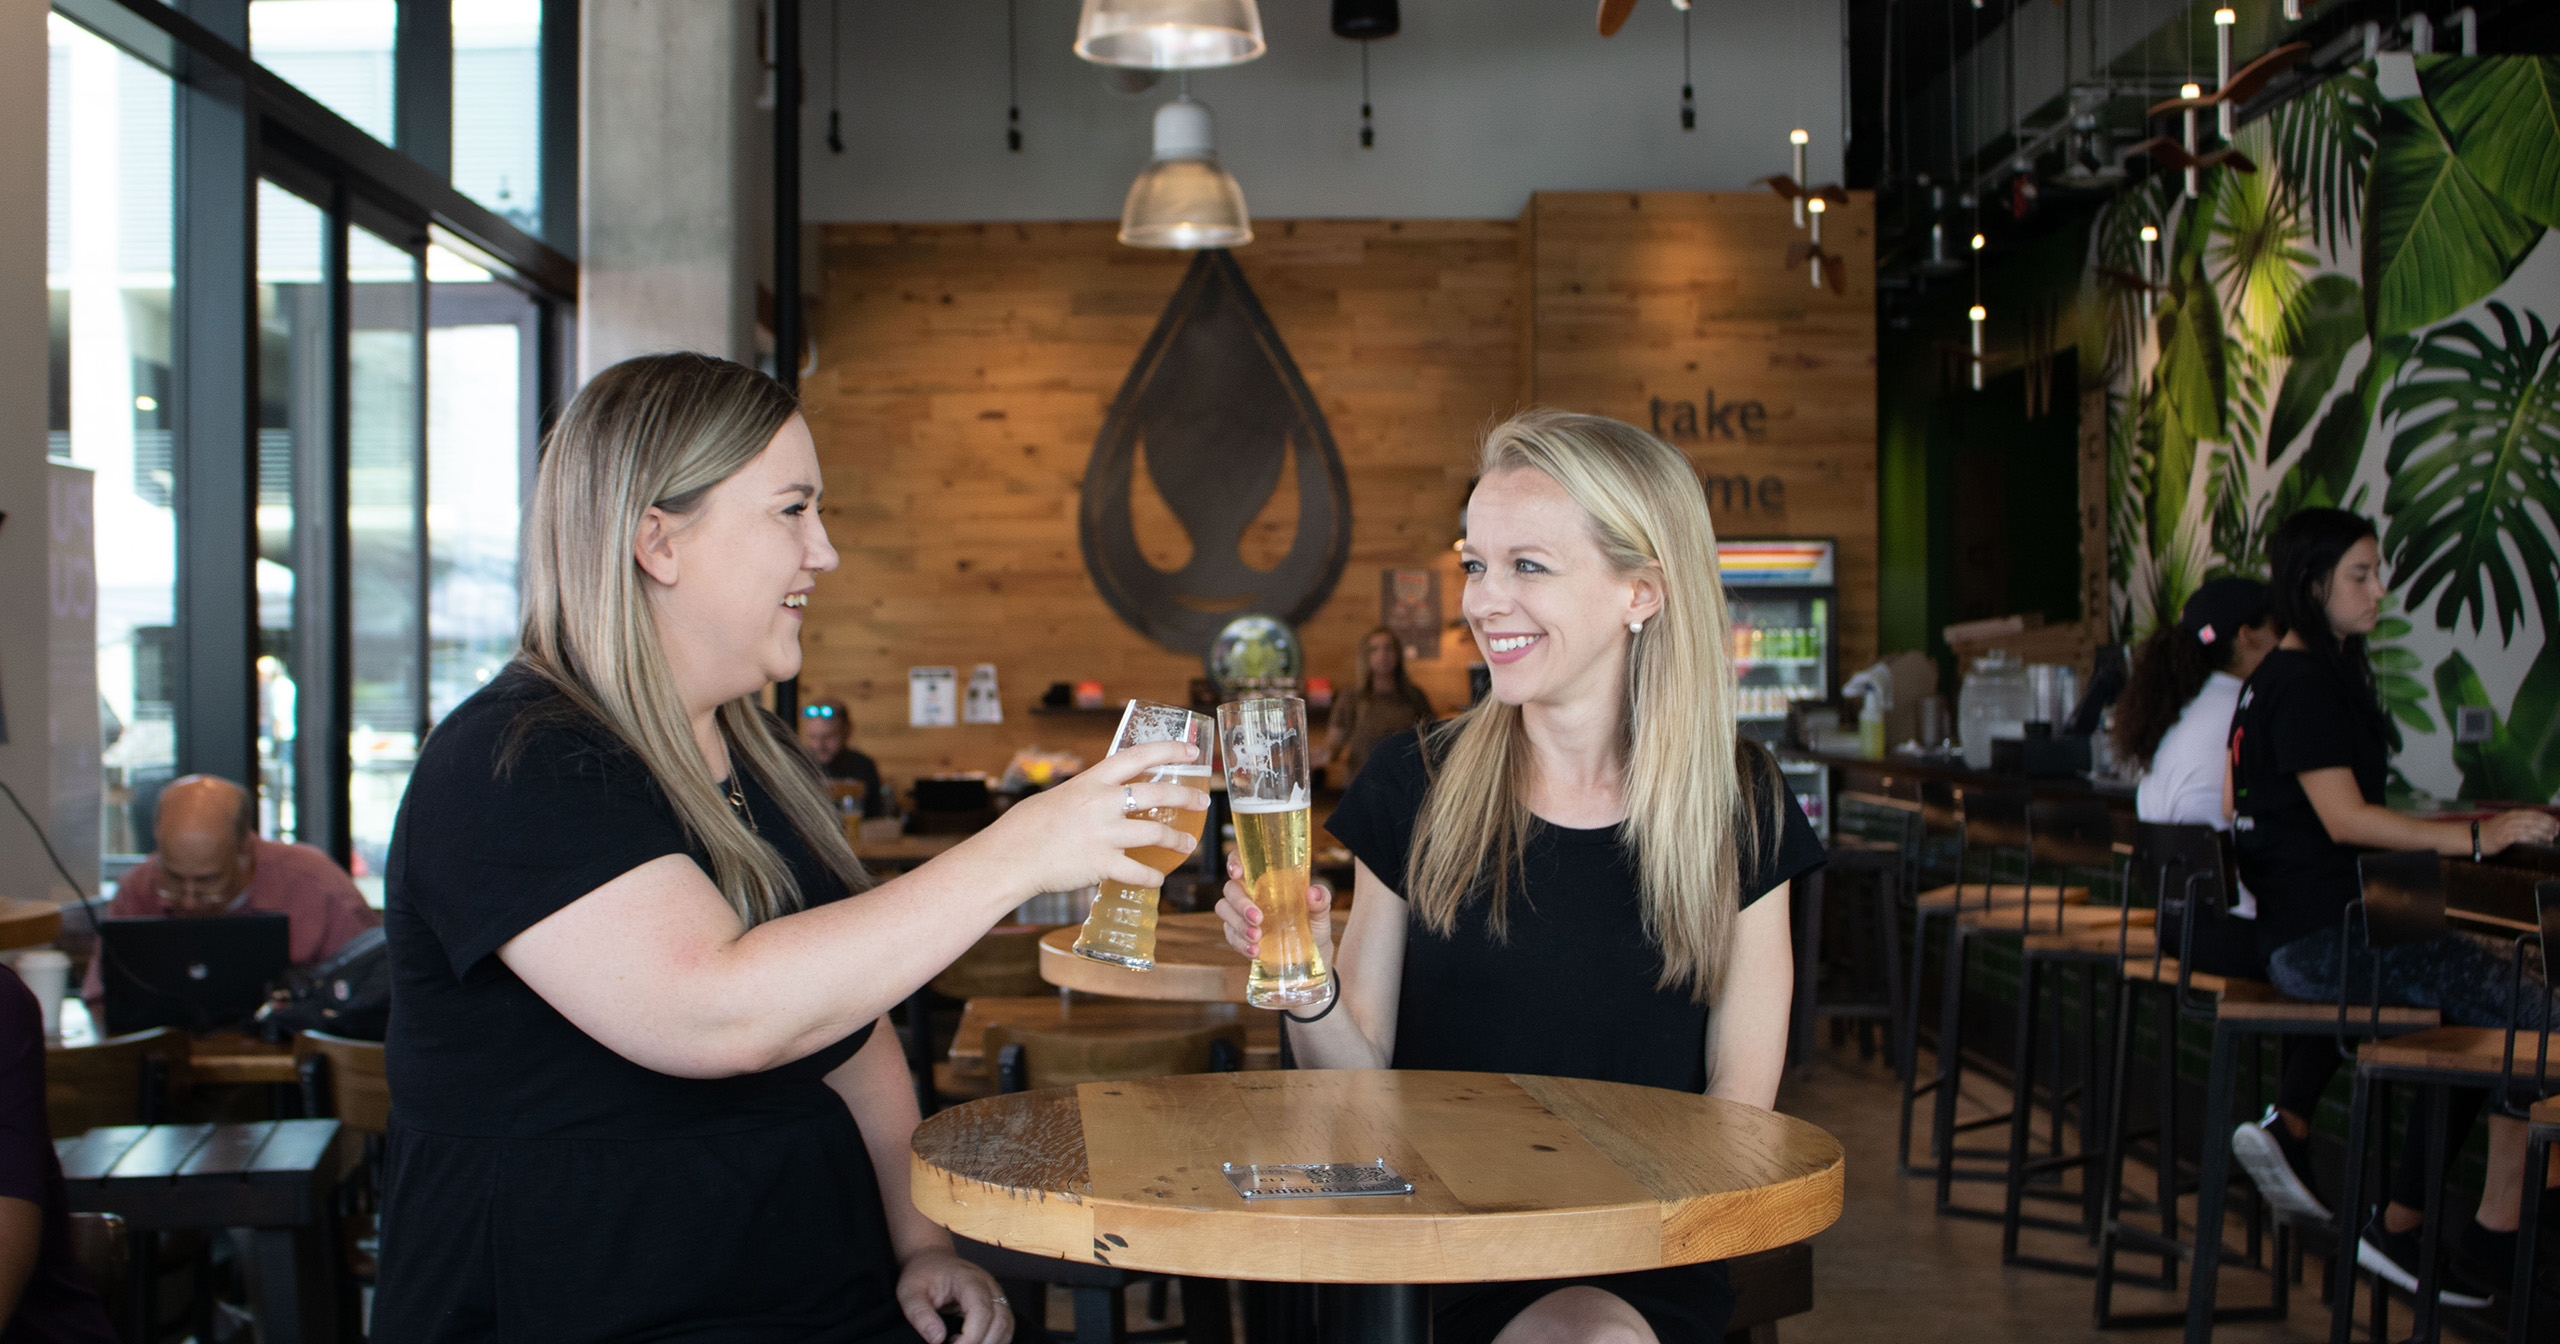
(194,974)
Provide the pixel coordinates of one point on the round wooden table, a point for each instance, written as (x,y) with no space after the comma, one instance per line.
(1193,964)
(1514,1177)
(25,923)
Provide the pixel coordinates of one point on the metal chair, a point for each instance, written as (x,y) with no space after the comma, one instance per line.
(2066,835)
(2542,1130)
(2404,902)
(1887,862)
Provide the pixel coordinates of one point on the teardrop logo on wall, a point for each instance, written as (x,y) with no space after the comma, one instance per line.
(1216,409)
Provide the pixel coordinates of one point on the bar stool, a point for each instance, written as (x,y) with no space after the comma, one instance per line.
(2187,872)
(2542,1130)
(2062,835)
(1996,823)
(1886,861)
(2404,902)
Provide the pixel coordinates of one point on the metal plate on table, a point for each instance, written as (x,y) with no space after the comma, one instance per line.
(1315,1180)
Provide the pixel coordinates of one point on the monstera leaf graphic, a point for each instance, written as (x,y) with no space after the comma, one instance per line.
(2521,759)
(2502,114)
(2324,141)
(2321,327)
(2254,245)
(2476,458)
(2436,240)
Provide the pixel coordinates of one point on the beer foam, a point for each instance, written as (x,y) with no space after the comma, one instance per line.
(1296,802)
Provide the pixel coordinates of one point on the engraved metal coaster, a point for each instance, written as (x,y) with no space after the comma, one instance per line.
(1314,1180)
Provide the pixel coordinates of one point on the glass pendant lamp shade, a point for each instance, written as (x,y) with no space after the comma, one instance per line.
(1169,34)
(1183,199)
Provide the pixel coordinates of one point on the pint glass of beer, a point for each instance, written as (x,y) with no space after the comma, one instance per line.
(1121,928)
(1265,749)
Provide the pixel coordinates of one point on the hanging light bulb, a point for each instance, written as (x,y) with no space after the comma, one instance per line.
(1169,34)
(1797,140)
(1977,242)
(2191,91)
(2227,113)
(1975,316)
(2150,236)
(1183,198)
(1817,207)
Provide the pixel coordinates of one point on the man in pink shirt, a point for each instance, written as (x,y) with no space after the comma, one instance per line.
(211,862)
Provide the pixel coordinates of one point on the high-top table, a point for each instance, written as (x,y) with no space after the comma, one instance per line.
(1514,1177)
(1193,964)
(25,923)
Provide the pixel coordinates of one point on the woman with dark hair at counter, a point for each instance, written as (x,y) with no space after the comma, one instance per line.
(2310,751)
(2173,723)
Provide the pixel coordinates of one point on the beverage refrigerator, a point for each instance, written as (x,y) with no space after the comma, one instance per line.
(1784,599)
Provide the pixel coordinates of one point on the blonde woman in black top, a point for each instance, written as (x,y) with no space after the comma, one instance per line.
(1586,874)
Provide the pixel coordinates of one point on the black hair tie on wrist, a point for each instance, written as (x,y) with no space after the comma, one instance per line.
(1319,1017)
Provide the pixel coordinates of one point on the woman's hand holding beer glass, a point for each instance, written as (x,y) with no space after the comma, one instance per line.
(1243,919)
(1080,833)
(1263,746)
(1121,927)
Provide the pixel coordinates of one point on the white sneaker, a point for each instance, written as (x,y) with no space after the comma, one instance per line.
(2278,1176)
(2382,1253)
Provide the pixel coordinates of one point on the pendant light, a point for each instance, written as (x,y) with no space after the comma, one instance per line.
(1796,141)
(1365,21)
(1183,199)
(1974,315)
(1169,34)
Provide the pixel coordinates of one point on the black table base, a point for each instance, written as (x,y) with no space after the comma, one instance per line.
(1375,1313)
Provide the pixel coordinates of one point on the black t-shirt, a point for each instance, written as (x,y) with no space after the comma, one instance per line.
(1573,991)
(2299,713)
(57,1306)
(536,1184)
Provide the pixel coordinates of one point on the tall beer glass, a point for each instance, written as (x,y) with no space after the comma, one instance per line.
(1121,928)
(1265,747)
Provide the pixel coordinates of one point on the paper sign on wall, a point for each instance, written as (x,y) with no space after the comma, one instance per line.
(933,697)
(982,705)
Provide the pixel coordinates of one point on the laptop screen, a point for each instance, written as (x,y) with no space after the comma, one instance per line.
(195,974)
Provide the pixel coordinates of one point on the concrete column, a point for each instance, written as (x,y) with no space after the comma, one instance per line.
(667,128)
(26,759)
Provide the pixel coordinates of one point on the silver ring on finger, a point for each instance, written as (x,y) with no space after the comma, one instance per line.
(999,1300)
(1128,797)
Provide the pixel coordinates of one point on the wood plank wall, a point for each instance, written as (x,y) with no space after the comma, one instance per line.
(1676,311)
(962,372)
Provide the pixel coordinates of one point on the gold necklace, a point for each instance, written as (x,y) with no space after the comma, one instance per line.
(738,800)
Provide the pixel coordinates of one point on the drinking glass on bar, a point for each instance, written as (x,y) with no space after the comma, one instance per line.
(1265,754)
(1121,928)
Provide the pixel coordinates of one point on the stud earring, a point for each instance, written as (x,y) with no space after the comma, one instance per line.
(1635,627)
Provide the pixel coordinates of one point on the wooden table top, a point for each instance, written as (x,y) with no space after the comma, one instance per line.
(25,923)
(1106,1017)
(1193,964)
(1515,1176)
(2546,1111)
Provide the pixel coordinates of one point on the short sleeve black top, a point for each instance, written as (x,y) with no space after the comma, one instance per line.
(1576,931)
(2299,712)
(536,1184)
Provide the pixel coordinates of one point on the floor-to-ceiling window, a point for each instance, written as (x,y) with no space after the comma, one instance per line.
(108,240)
(382,354)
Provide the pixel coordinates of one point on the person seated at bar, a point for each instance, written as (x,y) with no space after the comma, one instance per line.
(1385,703)
(2309,752)
(1585,875)
(642,1083)
(2173,723)
(824,728)
(44,1299)
(212,862)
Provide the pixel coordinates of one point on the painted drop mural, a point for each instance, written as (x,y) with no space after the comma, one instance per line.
(2370,320)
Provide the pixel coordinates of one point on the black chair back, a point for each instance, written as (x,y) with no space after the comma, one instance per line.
(1989,821)
(2070,833)
(2403,903)
(2186,871)
(2536,1016)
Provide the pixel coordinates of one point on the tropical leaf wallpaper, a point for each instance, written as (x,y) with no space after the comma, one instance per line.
(2370,320)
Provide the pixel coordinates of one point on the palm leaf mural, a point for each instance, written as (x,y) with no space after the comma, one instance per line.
(2435,239)
(2502,115)
(2521,759)
(2395,670)
(2254,243)
(2324,141)
(2475,471)
(2322,324)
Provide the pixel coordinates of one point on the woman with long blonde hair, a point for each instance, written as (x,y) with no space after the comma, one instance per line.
(642,1083)
(1586,874)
